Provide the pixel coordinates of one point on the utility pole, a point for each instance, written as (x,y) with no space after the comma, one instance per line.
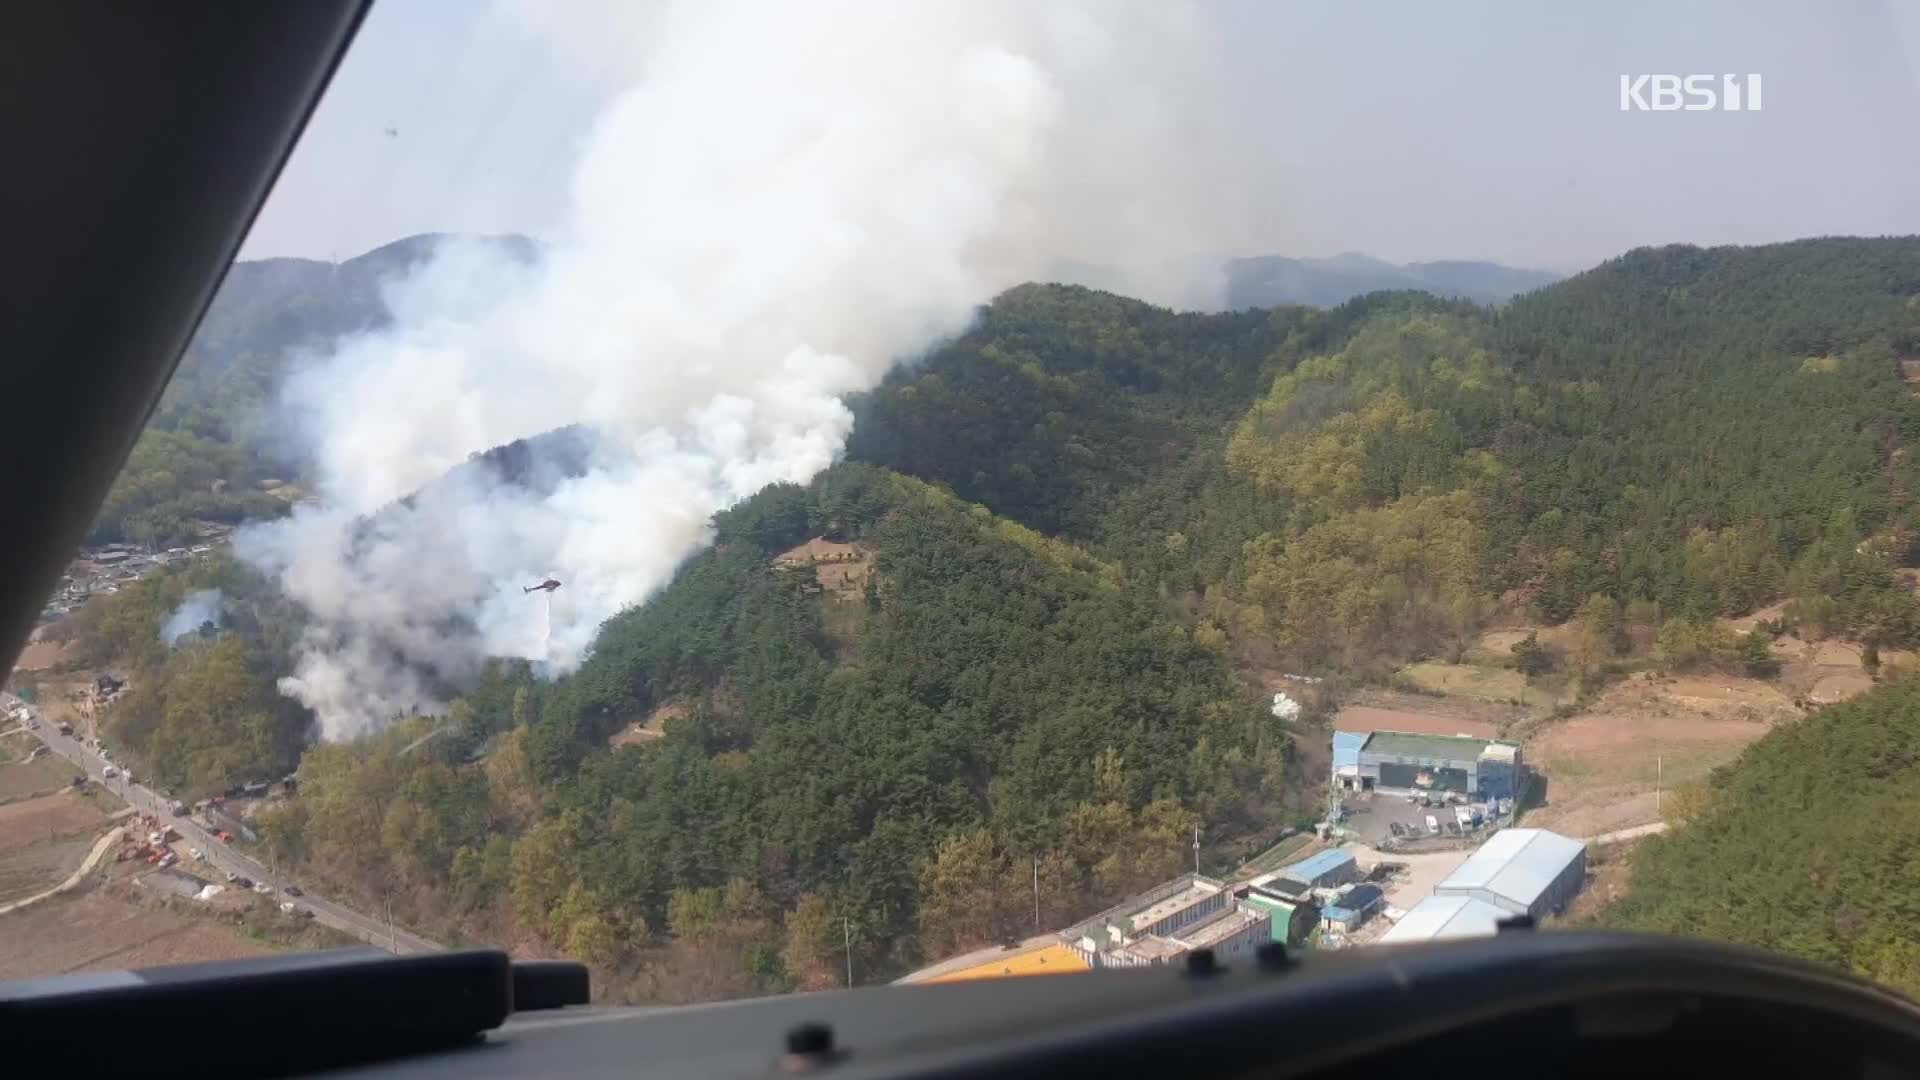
(1196,851)
(1036,894)
(393,936)
(846,925)
(1658,772)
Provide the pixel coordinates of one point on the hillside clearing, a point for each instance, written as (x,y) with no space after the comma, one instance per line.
(1477,681)
(1601,768)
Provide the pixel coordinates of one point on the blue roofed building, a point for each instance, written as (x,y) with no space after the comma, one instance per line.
(1346,758)
(1404,762)
(1322,871)
(1354,907)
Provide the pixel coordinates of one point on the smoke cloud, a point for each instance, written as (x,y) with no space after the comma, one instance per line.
(196,610)
(785,201)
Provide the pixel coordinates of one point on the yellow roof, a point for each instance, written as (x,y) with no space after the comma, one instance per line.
(1052,960)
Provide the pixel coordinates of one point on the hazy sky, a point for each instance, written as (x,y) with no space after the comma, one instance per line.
(1411,130)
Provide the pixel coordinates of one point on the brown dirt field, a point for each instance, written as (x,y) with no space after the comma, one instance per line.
(648,728)
(1373,718)
(1752,619)
(1717,692)
(1503,641)
(29,869)
(32,821)
(28,779)
(102,929)
(1840,654)
(40,656)
(1601,767)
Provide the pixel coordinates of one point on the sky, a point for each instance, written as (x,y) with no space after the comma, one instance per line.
(1408,131)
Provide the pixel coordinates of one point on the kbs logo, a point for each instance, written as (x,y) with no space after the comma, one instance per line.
(1693,93)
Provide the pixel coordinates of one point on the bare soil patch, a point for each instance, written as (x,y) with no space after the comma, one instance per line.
(47,817)
(103,928)
(1441,718)
(1602,767)
(41,655)
(649,727)
(32,868)
(27,779)
(1745,623)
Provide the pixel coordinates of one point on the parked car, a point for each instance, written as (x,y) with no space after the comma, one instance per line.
(243,882)
(197,854)
(293,890)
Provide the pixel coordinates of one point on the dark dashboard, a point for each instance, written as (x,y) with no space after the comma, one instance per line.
(1521,1004)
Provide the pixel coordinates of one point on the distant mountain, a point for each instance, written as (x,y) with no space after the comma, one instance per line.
(267,308)
(1271,280)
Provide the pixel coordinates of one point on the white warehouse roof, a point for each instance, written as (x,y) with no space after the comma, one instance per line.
(1515,865)
(1440,917)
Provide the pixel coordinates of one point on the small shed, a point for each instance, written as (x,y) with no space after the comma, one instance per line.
(1355,907)
(1291,921)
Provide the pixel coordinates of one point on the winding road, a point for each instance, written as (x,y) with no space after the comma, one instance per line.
(377,932)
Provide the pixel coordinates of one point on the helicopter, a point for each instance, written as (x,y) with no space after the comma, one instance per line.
(546,586)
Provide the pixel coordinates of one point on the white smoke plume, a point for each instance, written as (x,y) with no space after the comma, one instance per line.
(196,610)
(786,200)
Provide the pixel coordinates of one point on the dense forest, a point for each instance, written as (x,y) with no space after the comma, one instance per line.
(1083,533)
(1808,843)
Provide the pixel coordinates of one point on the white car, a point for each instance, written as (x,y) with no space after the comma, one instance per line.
(109,772)
(198,855)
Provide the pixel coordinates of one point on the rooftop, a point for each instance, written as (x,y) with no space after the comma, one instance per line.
(1052,960)
(1314,867)
(1154,947)
(1222,926)
(1438,918)
(1516,864)
(1136,913)
(1444,747)
(1361,898)
(1346,747)
(1194,891)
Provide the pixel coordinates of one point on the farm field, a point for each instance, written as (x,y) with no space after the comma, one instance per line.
(102,928)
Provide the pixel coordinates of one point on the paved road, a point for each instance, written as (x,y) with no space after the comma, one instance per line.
(371,930)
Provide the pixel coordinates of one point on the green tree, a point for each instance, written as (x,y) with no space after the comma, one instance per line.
(1530,657)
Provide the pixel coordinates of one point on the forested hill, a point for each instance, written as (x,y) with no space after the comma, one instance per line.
(1269,280)
(1020,630)
(212,441)
(1700,430)
(1810,844)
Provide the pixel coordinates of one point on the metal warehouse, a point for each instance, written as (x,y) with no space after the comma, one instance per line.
(1438,918)
(1322,871)
(1404,762)
(1521,871)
